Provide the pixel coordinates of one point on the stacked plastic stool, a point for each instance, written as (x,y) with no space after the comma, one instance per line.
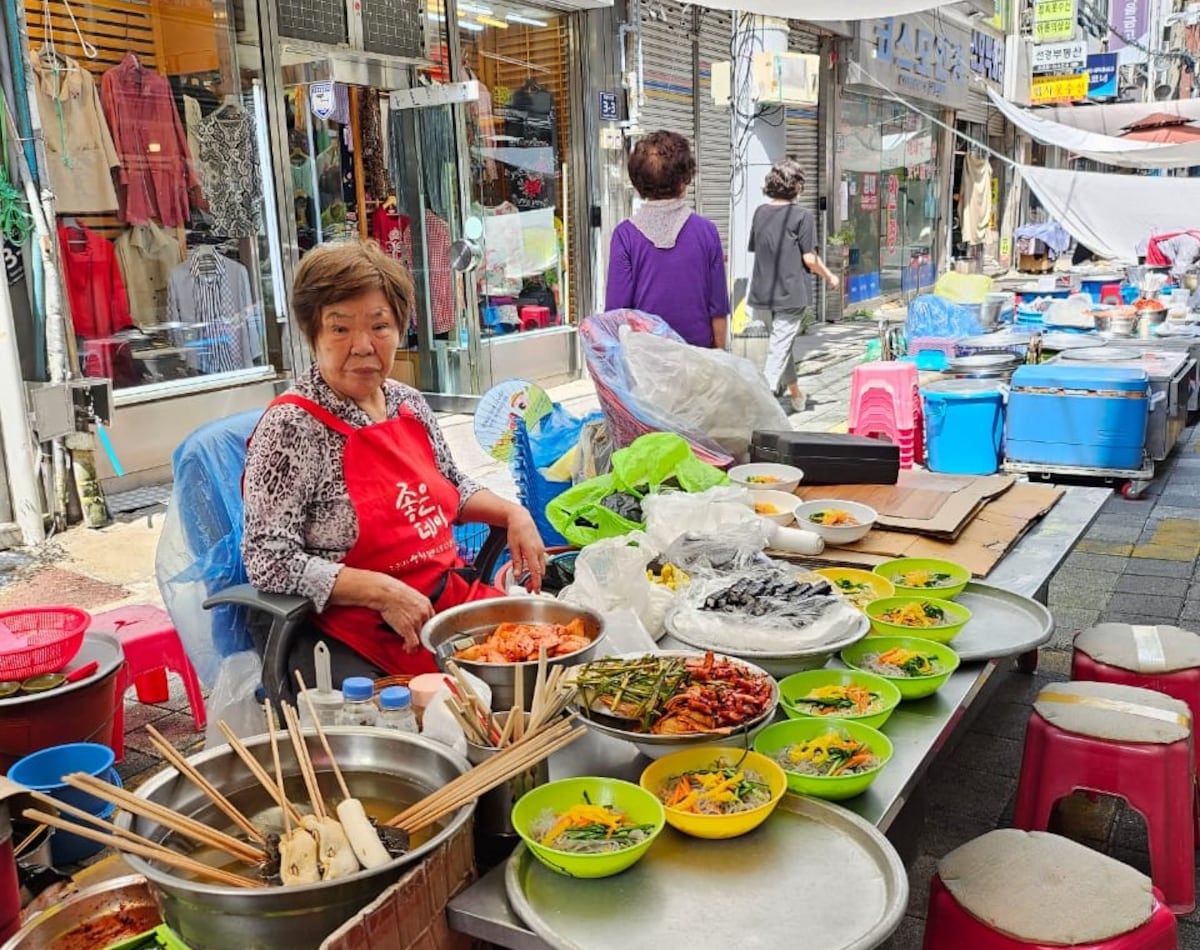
(152,647)
(884,401)
(1117,740)
(1029,890)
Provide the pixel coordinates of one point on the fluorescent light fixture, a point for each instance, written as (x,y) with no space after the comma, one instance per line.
(491,21)
(476,8)
(528,21)
(473,27)
(436,17)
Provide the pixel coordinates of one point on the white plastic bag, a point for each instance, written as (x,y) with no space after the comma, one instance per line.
(439,724)
(233,701)
(721,510)
(717,393)
(611,575)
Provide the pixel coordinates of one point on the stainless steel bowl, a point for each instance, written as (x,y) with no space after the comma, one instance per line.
(1113,325)
(481,617)
(379,765)
(984,366)
(656,746)
(127,902)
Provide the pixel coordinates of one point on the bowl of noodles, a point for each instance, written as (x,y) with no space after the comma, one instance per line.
(925,576)
(838,694)
(916,667)
(830,759)
(588,827)
(856,585)
(711,792)
(925,617)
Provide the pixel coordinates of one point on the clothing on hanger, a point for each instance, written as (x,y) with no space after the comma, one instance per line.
(95,289)
(230,175)
(214,291)
(147,254)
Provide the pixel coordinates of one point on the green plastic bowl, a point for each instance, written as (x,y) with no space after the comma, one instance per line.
(911,687)
(957,616)
(959,576)
(634,801)
(772,740)
(791,688)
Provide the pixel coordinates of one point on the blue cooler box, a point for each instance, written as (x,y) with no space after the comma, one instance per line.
(1078,416)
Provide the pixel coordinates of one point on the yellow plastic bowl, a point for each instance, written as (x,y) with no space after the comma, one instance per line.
(706,757)
(876,585)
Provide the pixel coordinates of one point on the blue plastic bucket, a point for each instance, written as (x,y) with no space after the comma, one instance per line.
(68,848)
(964,426)
(43,771)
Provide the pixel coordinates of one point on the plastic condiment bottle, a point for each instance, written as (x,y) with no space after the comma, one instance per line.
(396,710)
(358,708)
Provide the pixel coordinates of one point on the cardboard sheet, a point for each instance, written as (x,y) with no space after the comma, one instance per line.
(931,504)
(979,547)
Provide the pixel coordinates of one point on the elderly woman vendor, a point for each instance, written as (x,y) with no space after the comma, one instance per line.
(350,488)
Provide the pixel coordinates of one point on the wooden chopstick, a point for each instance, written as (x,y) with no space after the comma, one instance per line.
(184,767)
(168,818)
(307,772)
(271,731)
(258,771)
(144,848)
(337,772)
(28,840)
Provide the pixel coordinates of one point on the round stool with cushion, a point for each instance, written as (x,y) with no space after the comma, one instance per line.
(1014,889)
(1162,658)
(1118,740)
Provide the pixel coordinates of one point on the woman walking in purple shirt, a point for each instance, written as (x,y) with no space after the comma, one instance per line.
(666,259)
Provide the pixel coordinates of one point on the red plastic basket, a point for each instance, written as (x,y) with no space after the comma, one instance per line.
(51,637)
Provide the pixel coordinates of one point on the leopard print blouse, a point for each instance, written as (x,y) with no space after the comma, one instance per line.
(300,523)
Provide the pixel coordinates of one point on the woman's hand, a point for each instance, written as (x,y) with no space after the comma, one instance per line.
(833,280)
(406,610)
(526,547)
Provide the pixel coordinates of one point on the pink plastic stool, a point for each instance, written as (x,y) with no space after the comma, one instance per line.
(889,383)
(1156,779)
(1111,293)
(949,927)
(152,647)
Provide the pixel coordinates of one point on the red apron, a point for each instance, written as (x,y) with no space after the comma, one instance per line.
(405,508)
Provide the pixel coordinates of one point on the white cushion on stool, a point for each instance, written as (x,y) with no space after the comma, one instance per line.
(1154,649)
(1042,888)
(1109,711)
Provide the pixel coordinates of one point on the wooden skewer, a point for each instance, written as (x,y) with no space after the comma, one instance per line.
(466,723)
(65,808)
(509,726)
(307,771)
(172,820)
(337,772)
(471,698)
(519,684)
(28,840)
(147,849)
(539,687)
(287,821)
(184,767)
(258,771)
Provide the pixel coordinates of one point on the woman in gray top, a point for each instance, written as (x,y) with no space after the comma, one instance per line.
(783,238)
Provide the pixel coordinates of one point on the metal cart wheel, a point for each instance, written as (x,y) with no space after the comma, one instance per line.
(1028,662)
(1134,488)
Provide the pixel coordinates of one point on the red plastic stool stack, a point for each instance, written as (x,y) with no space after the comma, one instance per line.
(1124,741)
(1111,293)
(534,317)
(884,401)
(152,647)
(1012,890)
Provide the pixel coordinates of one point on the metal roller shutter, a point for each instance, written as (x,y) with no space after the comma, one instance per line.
(667,72)
(804,143)
(714,135)
(976,111)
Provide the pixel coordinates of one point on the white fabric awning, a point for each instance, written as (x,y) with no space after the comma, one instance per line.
(816,11)
(1109,149)
(1114,214)
(1111,118)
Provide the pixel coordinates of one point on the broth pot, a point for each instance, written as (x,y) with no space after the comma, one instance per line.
(386,771)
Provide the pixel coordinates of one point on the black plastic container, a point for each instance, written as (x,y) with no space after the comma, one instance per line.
(829,458)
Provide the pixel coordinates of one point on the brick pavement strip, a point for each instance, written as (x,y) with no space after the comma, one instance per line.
(1151,567)
(1156,606)
(1148,584)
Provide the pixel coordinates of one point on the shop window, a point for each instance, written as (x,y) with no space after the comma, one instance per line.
(889,202)
(519,137)
(153,139)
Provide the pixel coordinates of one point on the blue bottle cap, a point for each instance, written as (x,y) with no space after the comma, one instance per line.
(357,689)
(395,697)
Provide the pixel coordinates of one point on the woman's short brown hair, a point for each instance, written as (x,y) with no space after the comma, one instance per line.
(785,180)
(661,166)
(335,272)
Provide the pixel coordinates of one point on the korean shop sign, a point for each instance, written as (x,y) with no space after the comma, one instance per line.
(1053,20)
(1058,57)
(1058,88)
(987,56)
(1102,75)
(915,56)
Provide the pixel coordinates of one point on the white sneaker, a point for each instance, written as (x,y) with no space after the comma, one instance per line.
(799,402)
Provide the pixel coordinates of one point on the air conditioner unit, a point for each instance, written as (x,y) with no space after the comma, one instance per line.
(786,78)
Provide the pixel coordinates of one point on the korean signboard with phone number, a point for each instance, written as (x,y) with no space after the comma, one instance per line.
(1058,57)
(1053,20)
(1058,88)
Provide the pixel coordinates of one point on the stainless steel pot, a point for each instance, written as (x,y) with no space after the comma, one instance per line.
(1148,321)
(1112,324)
(476,619)
(126,901)
(983,366)
(379,765)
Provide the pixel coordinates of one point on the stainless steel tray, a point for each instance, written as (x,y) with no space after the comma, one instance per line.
(1059,341)
(814,875)
(1102,354)
(1002,623)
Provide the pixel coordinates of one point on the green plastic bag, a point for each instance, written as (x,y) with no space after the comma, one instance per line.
(650,463)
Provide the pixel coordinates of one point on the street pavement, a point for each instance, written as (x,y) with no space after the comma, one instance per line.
(1136,563)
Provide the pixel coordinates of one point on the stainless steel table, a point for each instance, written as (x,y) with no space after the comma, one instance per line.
(918,730)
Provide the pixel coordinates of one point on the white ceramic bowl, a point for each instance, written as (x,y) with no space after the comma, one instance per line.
(788,477)
(783,502)
(865,515)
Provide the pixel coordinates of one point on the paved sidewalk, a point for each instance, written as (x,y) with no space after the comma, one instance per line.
(1136,562)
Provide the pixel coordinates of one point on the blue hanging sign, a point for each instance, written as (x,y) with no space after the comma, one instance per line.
(1102,75)
(608,107)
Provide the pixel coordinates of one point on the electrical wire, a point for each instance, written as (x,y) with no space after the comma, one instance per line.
(16,223)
